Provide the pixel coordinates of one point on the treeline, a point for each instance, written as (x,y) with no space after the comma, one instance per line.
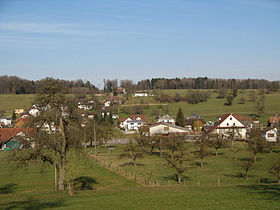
(16,85)
(206,83)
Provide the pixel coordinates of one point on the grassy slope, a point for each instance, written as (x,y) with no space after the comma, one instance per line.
(33,189)
(213,107)
(10,102)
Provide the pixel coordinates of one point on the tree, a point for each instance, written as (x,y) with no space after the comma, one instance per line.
(234,92)
(217,143)
(242,100)
(52,145)
(246,166)
(133,152)
(275,170)
(180,118)
(14,116)
(178,162)
(260,107)
(222,93)
(256,142)
(173,144)
(229,100)
(202,151)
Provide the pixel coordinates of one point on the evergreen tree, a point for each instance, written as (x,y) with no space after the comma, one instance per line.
(14,116)
(180,118)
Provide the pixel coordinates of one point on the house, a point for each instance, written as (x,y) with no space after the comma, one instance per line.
(166,129)
(141,93)
(19,111)
(10,137)
(121,91)
(34,110)
(274,120)
(22,122)
(166,119)
(194,122)
(229,124)
(6,121)
(134,122)
(270,134)
(134,125)
(107,103)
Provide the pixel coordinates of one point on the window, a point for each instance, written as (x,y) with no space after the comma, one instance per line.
(230,118)
(233,124)
(131,123)
(227,124)
(270,135)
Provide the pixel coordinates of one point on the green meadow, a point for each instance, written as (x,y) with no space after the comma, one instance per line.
(33,188)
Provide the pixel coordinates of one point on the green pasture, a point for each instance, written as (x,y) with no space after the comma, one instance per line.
(33,188)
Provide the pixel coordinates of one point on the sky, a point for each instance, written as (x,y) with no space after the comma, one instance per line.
(140,39)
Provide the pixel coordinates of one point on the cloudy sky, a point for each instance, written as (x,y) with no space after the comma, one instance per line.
(139,39)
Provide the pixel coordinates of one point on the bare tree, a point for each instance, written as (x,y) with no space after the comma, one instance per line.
(59,131)
(133,152)
(202,151)
(173,144)
(275,170)
(256,142)
(217,143)
(179,162)
(246,166)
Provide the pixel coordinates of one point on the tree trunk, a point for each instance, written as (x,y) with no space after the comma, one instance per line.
(246,174)
(61,176)
(216,152)
(255,158)
(278,179)
(62,159)
(201,163)
(179,178)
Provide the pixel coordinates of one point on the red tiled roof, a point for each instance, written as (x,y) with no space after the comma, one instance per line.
(8,133)
(274,119)
(239,117)
(143,117)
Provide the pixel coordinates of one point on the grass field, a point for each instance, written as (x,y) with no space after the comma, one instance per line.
(214,107)
(33,188)
(208,110)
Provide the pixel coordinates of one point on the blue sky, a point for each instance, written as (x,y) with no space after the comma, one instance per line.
(139,39)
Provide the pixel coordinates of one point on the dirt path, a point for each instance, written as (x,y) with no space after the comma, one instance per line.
(144,104)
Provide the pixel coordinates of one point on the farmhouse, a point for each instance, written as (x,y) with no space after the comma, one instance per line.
(270,134)
(10,138)
(166,119)
(34,110)
(229,124)
(141,93)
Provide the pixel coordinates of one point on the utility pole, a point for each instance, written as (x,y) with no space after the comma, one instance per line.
(160,160)
(94,136)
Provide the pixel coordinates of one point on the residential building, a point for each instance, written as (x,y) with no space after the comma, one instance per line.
(6,121)
(166,119)
(141,93)
(270,134)
(232,124)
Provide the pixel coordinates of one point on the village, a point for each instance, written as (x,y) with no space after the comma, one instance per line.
(191,127)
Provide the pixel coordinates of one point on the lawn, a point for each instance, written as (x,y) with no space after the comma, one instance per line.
(32,188)
(9,102)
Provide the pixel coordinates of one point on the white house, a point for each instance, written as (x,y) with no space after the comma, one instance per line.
(270,134)
(34,111)
(167,128)
(6,121)
(107,103)
(134,125)
(232,123)
(134,122)
(141,93)
(166,119)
